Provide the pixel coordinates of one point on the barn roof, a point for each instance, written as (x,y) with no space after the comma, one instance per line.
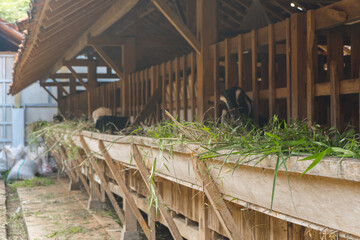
(10,37)
(59,30)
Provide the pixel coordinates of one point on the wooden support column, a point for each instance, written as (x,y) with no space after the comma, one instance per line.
(129,66)
(146,176)
(298,65)
(272,95)
(355,51)
(216,200)
(206,19)
(104,184)
(128,198)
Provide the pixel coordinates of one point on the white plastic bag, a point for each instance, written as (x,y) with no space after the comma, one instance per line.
(14,154)
(23,169)
(3,162)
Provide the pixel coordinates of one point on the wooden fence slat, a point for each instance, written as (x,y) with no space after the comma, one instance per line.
(288,66)
(124,189)
(102,179)
(146,176)
(216,200)
(334,94)
(192,86)
(227,63)
(216,81)
(240,59)
(255,88)
(272,89)
(170,67)
(311,63)
(185,89)
(177,87)
(163,84)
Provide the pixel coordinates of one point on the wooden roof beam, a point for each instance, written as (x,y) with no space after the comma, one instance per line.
(50,93)
(179,25)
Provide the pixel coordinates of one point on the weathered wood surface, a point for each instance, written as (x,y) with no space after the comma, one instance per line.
(329,195)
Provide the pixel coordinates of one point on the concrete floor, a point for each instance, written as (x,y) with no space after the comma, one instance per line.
(52,212)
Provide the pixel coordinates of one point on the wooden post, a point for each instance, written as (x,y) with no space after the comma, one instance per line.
(311,63)
(355,51)
(146,176)
(129,66)
(92,84)
(272,93)
(128,198)
(192,86)
(102,179)
(216,200)
(298,65)
(206,18)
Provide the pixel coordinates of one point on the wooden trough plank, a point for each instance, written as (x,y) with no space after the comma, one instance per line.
(125,190)
(102,179)
(216,200)
(146,176)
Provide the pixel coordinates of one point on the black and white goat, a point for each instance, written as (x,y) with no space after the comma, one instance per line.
(106,122)
(235,104)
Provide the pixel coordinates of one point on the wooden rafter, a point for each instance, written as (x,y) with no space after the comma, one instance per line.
(125,190)
(144,172)
(216,200)
(179,25)
(77,76)
(102,179)
(109,61)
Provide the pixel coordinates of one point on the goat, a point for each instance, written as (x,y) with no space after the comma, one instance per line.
(101,111)
(111,123)
(234,104)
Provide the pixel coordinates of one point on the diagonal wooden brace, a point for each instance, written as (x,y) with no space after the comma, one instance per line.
(102,179)
(146,176)
(124,189)
(216,200)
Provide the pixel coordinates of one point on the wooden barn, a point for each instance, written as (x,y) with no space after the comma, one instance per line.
(297,59)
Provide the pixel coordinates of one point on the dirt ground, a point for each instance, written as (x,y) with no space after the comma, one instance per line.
(52,212)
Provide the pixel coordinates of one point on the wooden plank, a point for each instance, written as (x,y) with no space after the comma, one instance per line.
(129,66)
(185,88)
(77,76)
(204,231)
(240,59)
(271,71)
(288,68)
(124,189)
(334,95)
(255,86)
(216,81)
(216,200)
(104,184)
(146,176)
(278,229)
(50,93)
(311,63)
(178,24)
(177,87)
(228,81)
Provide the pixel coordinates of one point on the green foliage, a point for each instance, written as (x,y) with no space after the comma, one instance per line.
(12,10)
